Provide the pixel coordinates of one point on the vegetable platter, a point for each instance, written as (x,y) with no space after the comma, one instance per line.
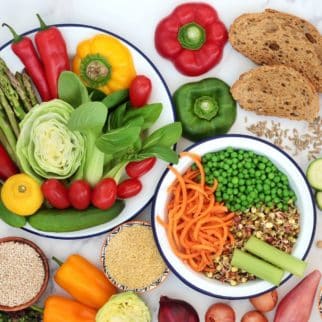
(137,22)
(73,34)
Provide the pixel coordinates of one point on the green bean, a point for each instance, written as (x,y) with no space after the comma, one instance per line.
(10,218)
(53,220)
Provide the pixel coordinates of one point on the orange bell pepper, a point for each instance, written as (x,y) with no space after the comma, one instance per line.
(60,309)
(84,281)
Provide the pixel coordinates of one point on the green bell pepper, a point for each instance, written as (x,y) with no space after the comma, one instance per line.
(205,108)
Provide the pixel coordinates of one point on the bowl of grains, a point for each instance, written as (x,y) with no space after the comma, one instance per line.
(24,273)
(223,191)
(131,259)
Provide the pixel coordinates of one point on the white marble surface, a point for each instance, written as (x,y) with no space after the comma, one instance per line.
(136,21)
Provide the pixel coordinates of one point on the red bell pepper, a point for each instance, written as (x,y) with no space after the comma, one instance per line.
(25,50)
(192,37)
(7,167)
(53,52)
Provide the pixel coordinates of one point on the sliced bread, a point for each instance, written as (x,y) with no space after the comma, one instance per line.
(272,37)
(277,91)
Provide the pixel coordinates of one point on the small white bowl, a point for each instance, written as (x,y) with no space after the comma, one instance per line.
(298,183)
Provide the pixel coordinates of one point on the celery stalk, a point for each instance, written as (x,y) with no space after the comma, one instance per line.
(256,266)
(275,256)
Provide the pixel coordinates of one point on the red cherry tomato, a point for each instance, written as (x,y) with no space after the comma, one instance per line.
(136,169)
(55,193)
(79,194)
(129,188)
(104,194)
(220,312)
(140,90)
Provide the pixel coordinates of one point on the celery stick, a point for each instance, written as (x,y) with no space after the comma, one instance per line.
(275,256)
(256,266)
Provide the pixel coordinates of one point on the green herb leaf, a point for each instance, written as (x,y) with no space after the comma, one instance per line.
(95,94)
(90,116)
(136,121)
(116,119)
(71,89)
(161,152)
(150,113)
(118,140)
(164,136)
(116,98)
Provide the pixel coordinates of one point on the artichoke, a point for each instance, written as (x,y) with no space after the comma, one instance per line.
(46,147)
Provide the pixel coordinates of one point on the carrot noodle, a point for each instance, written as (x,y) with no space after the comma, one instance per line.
(197,226)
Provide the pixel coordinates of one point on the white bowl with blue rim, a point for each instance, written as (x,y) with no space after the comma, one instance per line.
(304,203)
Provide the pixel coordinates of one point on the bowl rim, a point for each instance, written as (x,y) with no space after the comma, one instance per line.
(106,241)
(153,217)
(43,257)
(157,71)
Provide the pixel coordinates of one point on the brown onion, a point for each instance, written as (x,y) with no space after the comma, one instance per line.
(265,302)
(220,312)
(254,316)
(173,310)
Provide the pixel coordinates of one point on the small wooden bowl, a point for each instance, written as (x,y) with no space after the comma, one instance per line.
(120,286)
(46,271)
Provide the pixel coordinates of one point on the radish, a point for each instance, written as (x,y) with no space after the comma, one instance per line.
(297,304)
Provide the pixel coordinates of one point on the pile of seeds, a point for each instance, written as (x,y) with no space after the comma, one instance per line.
(22,273)
(132,259)
(291,139)
(276,227)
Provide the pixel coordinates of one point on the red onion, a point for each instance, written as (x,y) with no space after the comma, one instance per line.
(173,310)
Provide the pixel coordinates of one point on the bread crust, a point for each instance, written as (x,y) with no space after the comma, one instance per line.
(277,91)
(272,37)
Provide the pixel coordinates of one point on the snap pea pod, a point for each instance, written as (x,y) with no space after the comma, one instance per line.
(53,220)
(10,218)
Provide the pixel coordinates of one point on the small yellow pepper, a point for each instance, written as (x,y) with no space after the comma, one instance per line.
(104,63)
(22,195)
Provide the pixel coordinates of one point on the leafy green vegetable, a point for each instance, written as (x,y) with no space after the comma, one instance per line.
(46,147)
(89,119)
(27,315)
(116,98)
(71,89)
(166,136)
(161,152)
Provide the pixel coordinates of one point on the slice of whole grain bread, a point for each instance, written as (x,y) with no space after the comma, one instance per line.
(277,90)
(272,37)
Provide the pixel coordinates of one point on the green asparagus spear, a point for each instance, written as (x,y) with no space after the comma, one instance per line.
(10,115)
(30,89)
(19,89)
(19,78)
(7,131)
(8,148)
(12,96)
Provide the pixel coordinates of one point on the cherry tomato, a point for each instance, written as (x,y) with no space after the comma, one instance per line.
(104,194)
(129,188)
(254,316)
(80,194)
(55,193)
(265,302)
(136,169)
(140,90)
(220,312)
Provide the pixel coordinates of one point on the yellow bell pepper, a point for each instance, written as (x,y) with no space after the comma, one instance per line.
(104,63)
(22,195)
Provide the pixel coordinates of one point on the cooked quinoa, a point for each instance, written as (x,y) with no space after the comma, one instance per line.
(132,258)
(22,273)
(276,227)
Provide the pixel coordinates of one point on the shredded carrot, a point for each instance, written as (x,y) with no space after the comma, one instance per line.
(197,225)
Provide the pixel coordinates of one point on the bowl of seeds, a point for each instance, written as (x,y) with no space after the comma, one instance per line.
(24,273)
(130,247)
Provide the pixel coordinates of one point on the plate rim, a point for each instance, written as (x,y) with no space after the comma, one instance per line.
(216,295)
(130,44)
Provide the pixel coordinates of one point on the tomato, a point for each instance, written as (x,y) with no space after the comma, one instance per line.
(265,302)
(139,168)
(104,194)
(129,188)
(80,194)
(254,316)
(55,193)
(220,312)
(140,90)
